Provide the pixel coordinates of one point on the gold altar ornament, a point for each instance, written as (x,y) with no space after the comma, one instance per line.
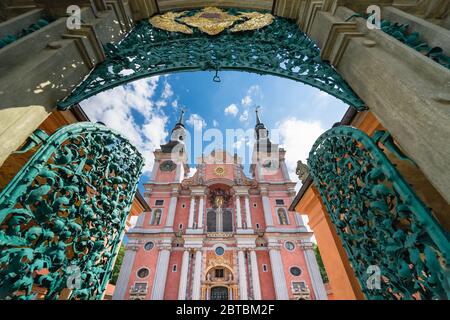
(211,20)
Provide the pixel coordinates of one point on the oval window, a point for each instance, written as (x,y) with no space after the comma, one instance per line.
(143,272)
(149,246)
(289,245)
(295,271)
(220,251)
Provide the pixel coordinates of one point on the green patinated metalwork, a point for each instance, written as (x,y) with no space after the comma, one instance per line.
(379,218)
(278,49)
(63,215)
(413,39)
(8,39)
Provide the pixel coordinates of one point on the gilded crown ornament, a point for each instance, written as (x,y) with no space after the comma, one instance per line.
(211,20)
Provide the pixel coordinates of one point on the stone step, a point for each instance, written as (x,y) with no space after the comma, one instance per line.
(15,25)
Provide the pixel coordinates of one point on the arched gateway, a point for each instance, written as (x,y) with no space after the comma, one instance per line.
(66,209)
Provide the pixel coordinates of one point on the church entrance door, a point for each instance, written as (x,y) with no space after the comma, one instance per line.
(219,293)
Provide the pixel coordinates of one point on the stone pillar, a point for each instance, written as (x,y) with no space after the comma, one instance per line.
(255,276)
(125,271)
(141,219)
(196,285)
(154,170)
(267,209)
(313,268)
(285,170)
(200,212)
(248,215)
(172,209)
(242,276)
(184,276)
(159,283)
(238,212)
(191,213)
(279,279)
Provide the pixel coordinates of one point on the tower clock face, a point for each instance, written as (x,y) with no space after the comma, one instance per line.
(167,166)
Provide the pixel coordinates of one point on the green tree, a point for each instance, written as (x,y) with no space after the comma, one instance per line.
(117,265)
(323,272)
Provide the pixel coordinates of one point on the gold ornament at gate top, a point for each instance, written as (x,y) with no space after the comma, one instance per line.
(167,22)
(211,21)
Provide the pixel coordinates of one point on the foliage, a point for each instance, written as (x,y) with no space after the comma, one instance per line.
(323,272)
(117,265)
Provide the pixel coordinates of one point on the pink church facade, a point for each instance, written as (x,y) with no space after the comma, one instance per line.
(219,235)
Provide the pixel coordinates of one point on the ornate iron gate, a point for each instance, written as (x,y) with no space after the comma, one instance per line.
(383,225)
(279,49)
(63,214)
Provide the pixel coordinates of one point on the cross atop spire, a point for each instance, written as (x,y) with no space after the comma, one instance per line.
(181,119)
(257,115)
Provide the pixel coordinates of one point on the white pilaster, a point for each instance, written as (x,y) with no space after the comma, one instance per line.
(279,280)
(141,219)
(242,276)
(200,212)
(248,216)
(255,276)
(154,170)
(196,285)
(191,213)
(238,212)
(125,271)
(184,276)
(172,209)
(159,284)
(267,209)
(316,277)
(284,170)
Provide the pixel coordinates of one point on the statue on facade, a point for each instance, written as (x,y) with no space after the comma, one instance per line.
(302,171)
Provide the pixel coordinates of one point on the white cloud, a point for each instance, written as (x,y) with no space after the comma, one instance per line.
(297,137)
(167,91)
(115,108)
(232,109)
(246,101)
(244,116)
(196,121)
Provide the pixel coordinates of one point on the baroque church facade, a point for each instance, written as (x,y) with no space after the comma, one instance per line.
(219,235)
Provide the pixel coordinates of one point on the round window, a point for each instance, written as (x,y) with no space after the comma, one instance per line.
(149,246)
(220,251)
(295,271)
(289,245)
(143,272)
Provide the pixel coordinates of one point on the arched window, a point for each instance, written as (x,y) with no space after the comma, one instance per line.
(156,217)
(282,216)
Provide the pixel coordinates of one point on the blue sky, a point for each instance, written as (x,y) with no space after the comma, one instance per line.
(146,110)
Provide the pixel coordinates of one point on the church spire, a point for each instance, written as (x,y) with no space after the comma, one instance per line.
(259,125)
(257,115)
(261,134)
(181,119)
(177,136)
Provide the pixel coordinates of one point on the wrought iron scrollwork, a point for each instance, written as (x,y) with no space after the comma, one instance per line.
(379,218)
(62,216)
(279,49)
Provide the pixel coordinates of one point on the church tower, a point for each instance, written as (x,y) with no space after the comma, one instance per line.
(218,234)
